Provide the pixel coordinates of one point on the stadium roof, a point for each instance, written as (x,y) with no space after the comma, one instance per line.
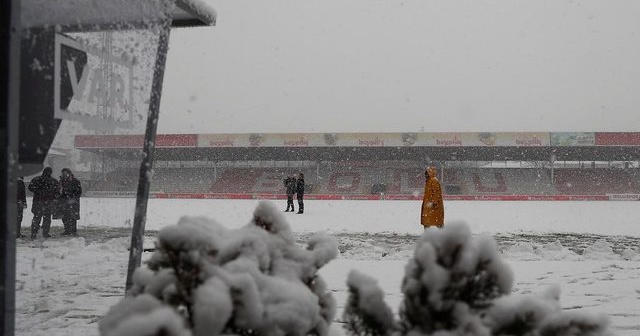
(101,14)
(480,146)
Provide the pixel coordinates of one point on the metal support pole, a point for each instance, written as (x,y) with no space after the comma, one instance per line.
(9,122)
(140,217)
(553,163)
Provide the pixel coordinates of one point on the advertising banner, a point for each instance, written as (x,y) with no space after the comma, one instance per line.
(223,140)
(529,139)
(261,140)
(102,96)
(446,139)
(109,141)
(110,194)
(573,139)
(287,140)
(365,140)
(176,140)
(300,140)
(134,141)
(485,139)
(617,139)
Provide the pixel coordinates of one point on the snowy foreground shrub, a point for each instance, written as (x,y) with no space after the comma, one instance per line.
(456,284)
(204,279)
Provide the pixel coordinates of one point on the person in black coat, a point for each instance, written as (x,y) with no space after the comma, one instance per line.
(45,192)
(290,185)
(22,204)
(300,192)
(69,202)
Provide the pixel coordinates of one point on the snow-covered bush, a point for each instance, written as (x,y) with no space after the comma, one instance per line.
(457,284)
(204,279)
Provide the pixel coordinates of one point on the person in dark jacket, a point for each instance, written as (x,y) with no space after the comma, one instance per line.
(300,192)
(22,204)
(69,202)
(290,185)
(45,192)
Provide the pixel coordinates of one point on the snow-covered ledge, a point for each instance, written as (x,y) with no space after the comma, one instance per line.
(105,13)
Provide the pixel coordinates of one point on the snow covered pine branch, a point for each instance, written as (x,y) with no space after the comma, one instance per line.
(457,284)
(204,279)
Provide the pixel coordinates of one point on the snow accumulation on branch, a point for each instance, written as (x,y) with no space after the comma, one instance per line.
(204,279)
(457,284)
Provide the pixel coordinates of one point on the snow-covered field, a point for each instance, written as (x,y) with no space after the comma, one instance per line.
(606,218)
(591,249)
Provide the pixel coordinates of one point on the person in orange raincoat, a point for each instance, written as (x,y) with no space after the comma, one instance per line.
(432,213)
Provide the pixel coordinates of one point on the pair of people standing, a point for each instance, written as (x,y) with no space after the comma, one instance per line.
(52,196)
(295,186)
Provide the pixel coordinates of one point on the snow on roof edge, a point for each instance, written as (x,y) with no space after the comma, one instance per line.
(202,11)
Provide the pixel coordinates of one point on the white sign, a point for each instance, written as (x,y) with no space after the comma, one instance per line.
(624,197)
(110,194)
(92,86)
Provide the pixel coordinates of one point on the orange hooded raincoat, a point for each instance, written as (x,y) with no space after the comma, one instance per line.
(432,213)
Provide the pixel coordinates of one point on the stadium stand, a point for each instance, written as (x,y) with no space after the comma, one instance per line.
(367,180)
(183,180)
(597,181)
(507,181)
(473,165)
(120,180)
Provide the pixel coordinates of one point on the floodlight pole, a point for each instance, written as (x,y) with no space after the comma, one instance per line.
(144,179)
(9,121)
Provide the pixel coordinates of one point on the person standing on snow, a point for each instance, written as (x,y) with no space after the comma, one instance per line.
(432,213)
(45,190)
(300,192)
(69,202)
(290,185)
(22,204)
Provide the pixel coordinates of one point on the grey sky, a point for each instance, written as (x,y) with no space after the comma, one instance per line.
(392,66)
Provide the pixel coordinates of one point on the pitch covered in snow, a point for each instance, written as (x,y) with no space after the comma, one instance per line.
(605,218)
(590,249)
